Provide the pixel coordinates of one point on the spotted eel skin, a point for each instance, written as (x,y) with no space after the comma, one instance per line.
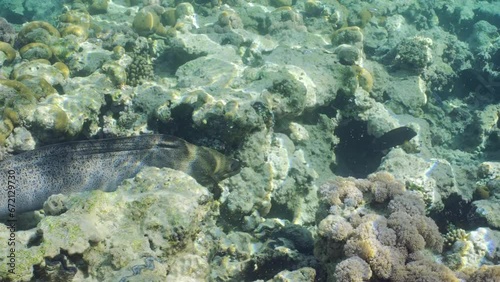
(31,177)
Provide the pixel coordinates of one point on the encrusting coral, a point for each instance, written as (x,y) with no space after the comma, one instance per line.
(414,53)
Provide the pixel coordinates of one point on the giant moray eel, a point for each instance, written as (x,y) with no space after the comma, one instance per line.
(101,164)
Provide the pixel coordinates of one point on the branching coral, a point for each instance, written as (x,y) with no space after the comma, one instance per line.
(141,69)
(455,234)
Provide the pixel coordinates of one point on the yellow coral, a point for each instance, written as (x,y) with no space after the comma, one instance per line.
(6,128)
(280,3)
(282,8)
(366,250)
(184,9)
(35,50)
(20,88)
(41,61)
(32,26)
(61,120)
(38,85)
(8,50)
(365,16)
(145,22)
(76,30)
(118,52)
(16,100)
(10,114)
(168,17)
(78,17)
(116,73)
(62,68)
(364,78)
(456,234)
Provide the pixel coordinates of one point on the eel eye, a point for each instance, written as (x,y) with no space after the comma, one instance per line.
(235,165)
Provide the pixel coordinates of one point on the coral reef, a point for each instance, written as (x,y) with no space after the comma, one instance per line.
(285,86)
(353,269)
(348,54)
(387,241)
(486,273)
(140,69)
(348,35)
(414,53)
(147,22)
(169,216)
(8,51)
(7,32)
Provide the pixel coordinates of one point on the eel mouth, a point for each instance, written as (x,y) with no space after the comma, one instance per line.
(233,168)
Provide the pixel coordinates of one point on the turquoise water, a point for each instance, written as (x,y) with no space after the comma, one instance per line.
(367,133)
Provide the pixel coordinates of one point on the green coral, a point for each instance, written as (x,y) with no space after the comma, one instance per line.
(98,7)
(141,68)
(455,234)
(64,47)
(116,73)
(92,6)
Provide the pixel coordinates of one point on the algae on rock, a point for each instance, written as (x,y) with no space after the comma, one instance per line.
(156,214)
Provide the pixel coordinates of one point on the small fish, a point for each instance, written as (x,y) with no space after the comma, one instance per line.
(393,138)
(29,178)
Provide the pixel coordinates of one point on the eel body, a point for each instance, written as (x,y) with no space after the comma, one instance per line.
(29,178)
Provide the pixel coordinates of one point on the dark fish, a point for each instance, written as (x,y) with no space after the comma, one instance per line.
(101,164)
(393,138)
(359,153)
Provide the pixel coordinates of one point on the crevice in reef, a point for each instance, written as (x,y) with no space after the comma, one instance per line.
(355,156)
